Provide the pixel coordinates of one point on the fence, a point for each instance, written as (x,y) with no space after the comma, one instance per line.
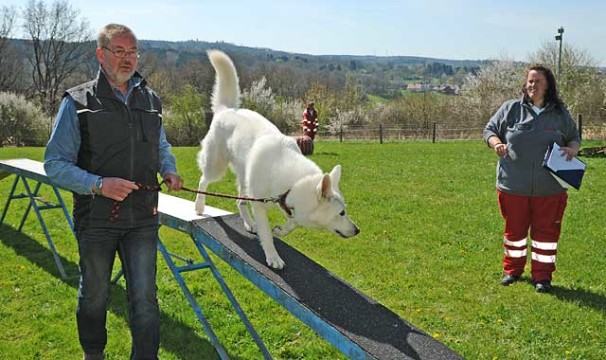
(434,132)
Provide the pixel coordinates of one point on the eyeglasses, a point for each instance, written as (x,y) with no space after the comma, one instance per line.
(123,54)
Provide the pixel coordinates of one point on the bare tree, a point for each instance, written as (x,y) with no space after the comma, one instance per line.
(9,61)
(60,46)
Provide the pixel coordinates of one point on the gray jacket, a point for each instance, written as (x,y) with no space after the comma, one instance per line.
(528,136)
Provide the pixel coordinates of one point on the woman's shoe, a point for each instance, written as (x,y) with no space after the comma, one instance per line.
(509,279)
(543,286)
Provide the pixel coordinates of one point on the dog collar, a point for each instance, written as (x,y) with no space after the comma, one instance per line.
(282,202)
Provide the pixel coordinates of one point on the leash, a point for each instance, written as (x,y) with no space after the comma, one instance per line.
(114,213)
(280,199)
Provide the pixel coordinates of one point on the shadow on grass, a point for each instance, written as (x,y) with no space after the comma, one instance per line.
(581,297)
(326,153)
(578,296)
(176,337)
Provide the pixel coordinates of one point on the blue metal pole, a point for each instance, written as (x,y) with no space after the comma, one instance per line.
(233,300)
(44,229)
(192,302)
(10,198)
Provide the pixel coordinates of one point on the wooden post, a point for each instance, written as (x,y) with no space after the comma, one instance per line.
(341,132)
(433,139)
(381,133)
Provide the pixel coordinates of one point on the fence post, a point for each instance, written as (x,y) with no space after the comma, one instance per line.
(580,125)
(433,138)
(381,133)
(341,132)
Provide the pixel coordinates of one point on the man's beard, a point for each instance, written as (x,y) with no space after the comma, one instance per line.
(118,77)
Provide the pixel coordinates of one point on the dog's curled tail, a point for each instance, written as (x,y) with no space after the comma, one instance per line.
(226,91)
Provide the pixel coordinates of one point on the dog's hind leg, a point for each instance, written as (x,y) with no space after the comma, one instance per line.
(266,238)
(214,166)
(201,198)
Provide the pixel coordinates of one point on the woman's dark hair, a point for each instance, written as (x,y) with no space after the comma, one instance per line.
(551,95)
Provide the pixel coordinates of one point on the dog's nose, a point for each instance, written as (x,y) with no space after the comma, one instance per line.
(357,231)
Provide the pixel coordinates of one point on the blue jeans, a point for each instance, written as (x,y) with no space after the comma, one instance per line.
(137,250)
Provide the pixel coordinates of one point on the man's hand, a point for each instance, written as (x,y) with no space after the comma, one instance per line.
(116,188)
(173,181)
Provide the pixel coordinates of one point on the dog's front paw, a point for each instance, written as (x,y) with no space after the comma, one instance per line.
(275,261)
(279,231)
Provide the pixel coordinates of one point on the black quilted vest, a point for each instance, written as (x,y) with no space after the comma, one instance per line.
(118,140)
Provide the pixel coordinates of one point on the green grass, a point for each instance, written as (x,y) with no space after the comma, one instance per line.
(430,250)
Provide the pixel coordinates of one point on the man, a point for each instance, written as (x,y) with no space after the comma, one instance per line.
(107,146)
(310,120)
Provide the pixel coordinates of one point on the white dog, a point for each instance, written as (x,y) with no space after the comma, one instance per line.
(267,164)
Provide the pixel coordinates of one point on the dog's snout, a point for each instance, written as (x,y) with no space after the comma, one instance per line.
(357,231)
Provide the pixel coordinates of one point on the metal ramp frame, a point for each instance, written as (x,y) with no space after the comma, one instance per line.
(25,169)
(178,214)
(355,324)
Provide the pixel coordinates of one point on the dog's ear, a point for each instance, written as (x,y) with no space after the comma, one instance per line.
(324,188)
(335,175)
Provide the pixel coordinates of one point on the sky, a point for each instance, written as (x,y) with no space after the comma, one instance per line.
(445,29)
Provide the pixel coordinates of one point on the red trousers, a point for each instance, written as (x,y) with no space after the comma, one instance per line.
(542,216)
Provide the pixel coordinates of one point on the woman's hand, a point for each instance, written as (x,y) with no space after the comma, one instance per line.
(500,149)
(570,152)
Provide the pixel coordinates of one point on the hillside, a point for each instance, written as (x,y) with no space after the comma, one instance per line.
(293,73)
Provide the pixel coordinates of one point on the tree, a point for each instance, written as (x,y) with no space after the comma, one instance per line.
(21,122)
(10,69)
(580,85)
(492,85)
(185,118)
(60,46)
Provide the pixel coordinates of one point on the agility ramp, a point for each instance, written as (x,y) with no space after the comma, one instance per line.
(355,324)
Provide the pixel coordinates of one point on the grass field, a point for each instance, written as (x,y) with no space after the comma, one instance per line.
(430,249)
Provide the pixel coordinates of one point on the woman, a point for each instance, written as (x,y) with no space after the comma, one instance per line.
(530,198)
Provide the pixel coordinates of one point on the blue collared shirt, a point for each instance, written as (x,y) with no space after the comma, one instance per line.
(61,153)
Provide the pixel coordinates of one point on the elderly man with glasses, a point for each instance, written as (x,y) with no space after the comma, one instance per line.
(108,146)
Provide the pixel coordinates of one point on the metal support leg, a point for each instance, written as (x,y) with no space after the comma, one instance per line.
(232,300)
(32,196)
(10,198)
(210,265)
(32,203)
(192,302)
